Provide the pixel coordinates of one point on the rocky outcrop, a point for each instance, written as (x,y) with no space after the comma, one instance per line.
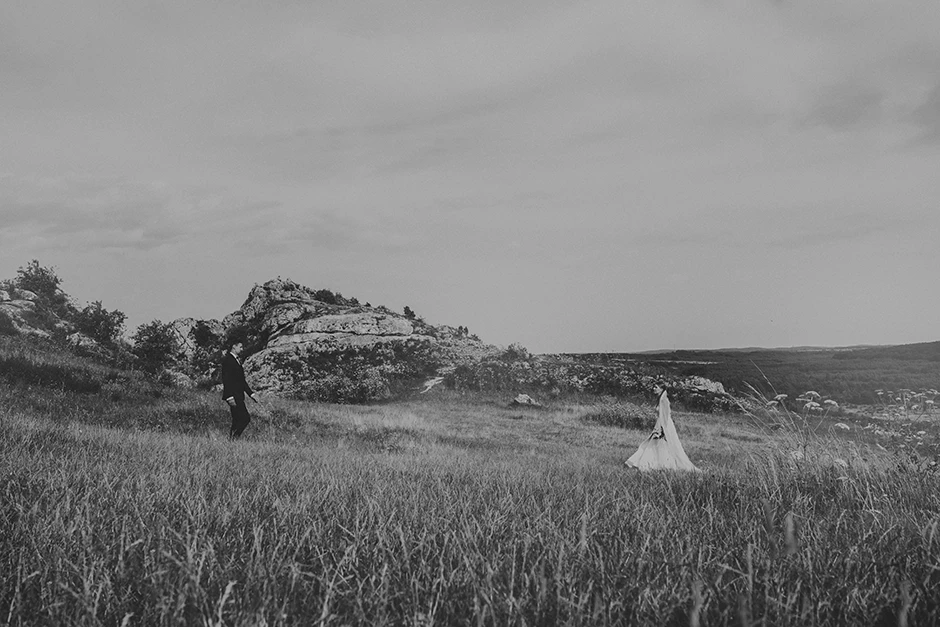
(317,344)
(342,330)
(20,306)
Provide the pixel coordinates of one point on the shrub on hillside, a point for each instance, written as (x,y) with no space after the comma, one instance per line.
(44,282)
(208,345)
(371,386)
(328,297)
(516,352)
(360,375)
(155,346)
(204,337)
(493,374)
(6,324)
(43,318)
(103,326)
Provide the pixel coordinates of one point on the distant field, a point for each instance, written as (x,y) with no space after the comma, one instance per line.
(849,376)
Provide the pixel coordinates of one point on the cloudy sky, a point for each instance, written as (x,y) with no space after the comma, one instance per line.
(570,175)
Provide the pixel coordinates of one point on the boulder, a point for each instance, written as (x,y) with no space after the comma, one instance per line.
(525,400)
(80,340)
(21,294)
(702,384)
(180,379)
(20,311)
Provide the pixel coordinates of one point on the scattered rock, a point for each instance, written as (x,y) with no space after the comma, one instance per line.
(80,340)
(181,380)
(525,400)
(319,345)
(430,383)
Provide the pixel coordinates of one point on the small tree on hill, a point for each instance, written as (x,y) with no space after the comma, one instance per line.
(208,347)
(44,282)
(98,323)
(409,313)
(204,337)
(155,346)
(326,296)
(6,324)
(516,352)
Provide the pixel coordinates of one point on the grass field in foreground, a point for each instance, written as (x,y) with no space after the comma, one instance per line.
(452,511)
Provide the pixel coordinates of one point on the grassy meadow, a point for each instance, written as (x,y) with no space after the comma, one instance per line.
(123,503)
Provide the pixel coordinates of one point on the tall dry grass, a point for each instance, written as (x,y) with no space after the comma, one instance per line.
(450,511)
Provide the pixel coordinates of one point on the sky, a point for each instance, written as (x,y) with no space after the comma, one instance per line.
(573,176)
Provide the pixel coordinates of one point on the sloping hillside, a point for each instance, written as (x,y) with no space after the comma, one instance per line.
(923,351)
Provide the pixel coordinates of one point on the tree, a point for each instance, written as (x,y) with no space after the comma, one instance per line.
(208,347)
(204,337)
(155,346)
(98,323)
(6,324)
(44,282)
(325,296)
(409,313)
(516,352)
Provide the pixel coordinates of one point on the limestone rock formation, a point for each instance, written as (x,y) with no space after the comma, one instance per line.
(524,400)
(20,306)
(319,345)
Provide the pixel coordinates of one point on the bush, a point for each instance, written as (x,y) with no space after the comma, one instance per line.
(44,282)
(208,346)
(370,386)
(204,337)
(98,323)
(362,374)
(326,296)
(516,352)
(155,346)
(6,324)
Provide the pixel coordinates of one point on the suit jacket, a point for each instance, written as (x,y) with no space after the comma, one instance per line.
(233,379)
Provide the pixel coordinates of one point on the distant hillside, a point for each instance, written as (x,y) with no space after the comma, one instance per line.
(923,351)
(847,375)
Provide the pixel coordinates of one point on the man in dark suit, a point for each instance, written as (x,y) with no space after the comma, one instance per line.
(234,388)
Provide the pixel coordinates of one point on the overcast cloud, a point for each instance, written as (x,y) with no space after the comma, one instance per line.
(574,176)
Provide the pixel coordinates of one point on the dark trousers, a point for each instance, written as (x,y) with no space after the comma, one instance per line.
(240,418)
